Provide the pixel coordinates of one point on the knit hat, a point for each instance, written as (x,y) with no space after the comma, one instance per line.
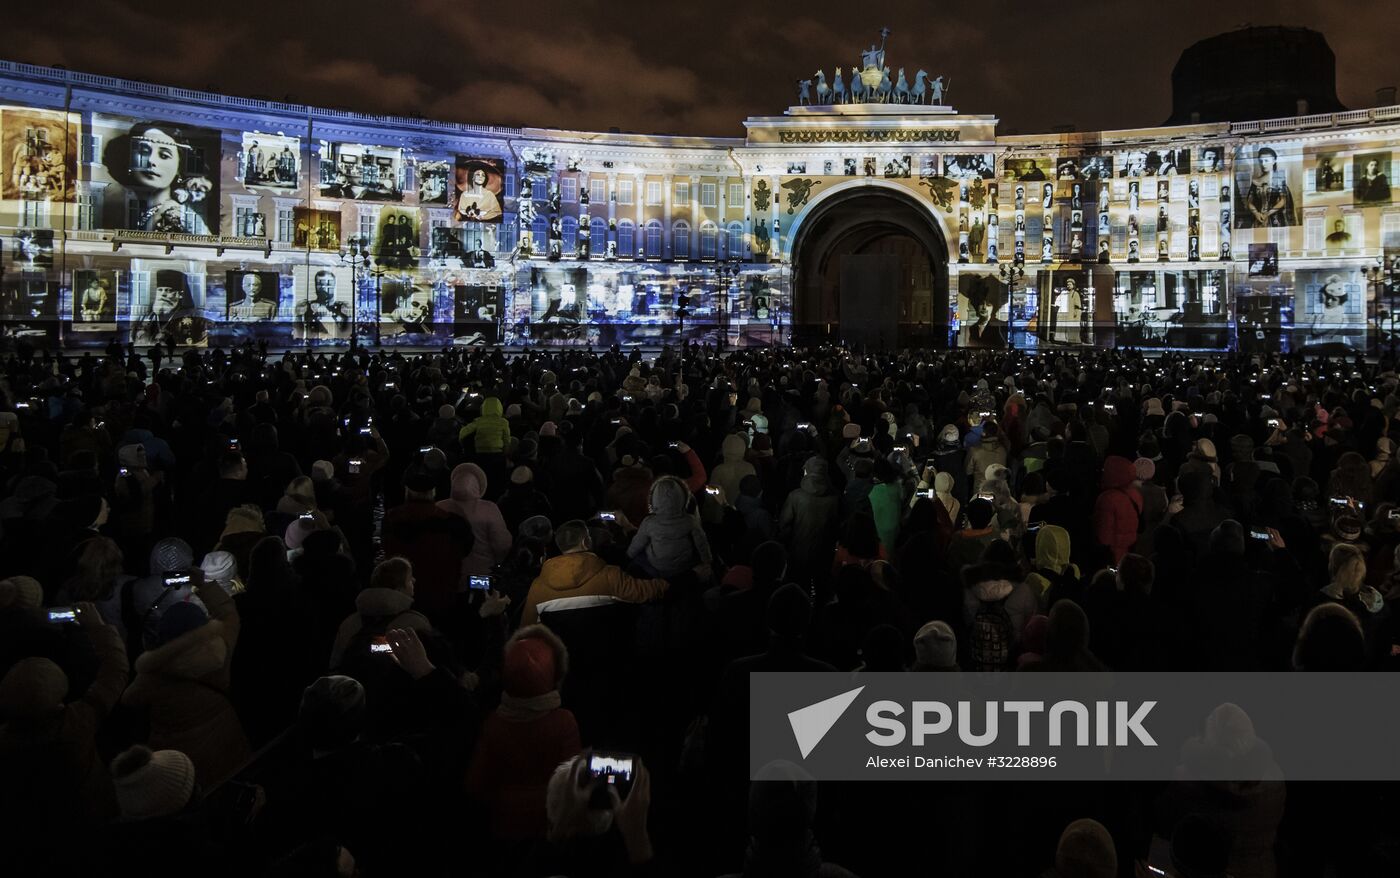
(513,410)
(527,668)
(152,784)
(332,711)
(132,456)
(180,618)
(446,412)
(1154,407)
(171,554)
(31,687)
(935,648)
(435,459)
(21,593)
(949,437)
(1206,448)
(1145,469)
(243,519)
(322,471)
(537,527)
(1086,851)
(302,491)
(222,567)
(548,429)
(521,475)
(299,530)
(850,431)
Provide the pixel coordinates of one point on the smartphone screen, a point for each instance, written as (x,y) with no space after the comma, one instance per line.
(123,471)
(424,449)
(380,644)
(63,615)
(479,583)
(1259,534)
(354,465)
(614,769)
(176,580)
(712,490)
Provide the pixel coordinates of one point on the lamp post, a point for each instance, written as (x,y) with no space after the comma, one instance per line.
(726,276)
(682,297)
(355,254)
(1011,274)
(1382,276)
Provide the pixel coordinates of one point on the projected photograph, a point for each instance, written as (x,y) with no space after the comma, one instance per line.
(1065,312)
(405,309)
(396,241)
(1154,162)
(316,229)
(361,172)
(969,165)
(322,308)
(1263,260)
(1170,309)
(1328,172)
(166,304)
(1265,181)
(1084,167)
(432,182)
(557,306)
(982,312)
(477,189)
(1329,312)
(252,295)
(271,161)
(1210,160)
(476,309)
(39,151)
(29,310)
(165,177)
(94,301)
(1027,168)
(1370,178)
(32,250)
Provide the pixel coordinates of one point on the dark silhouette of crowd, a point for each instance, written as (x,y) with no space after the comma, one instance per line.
(390,614)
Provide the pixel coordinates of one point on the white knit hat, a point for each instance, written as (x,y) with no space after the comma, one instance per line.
(152,784)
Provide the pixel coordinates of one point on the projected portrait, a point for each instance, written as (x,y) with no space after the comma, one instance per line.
(171,174)
(1264,188)
(1371,178)
(163,306)
(94,301)
(322,307)
(477,187)
(1263,260)
(29,309)
(39,150)
(271,161)
(367,173)
(476,310)
(1084,167)
(1027,168)
(1330,312)
(316,229)
(252,295)
(405,308)
(433,182)
(968,166)
(32,249)
(982,312)
(1328,175)
(397,239)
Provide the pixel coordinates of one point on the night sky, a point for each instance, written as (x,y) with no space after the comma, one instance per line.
(685,68)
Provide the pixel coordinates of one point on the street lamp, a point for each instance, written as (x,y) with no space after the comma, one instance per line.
(1011,274)
(1382,276)
(355,254)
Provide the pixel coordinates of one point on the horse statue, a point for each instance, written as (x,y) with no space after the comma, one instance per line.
(804,91)
(920,87)
(823,90)
(936,96)
(838,89)
(858,90)
(883,90)
(901,89)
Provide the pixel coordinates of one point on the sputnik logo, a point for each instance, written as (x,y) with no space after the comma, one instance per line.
(811,723)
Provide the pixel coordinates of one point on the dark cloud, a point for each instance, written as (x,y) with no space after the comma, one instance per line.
(680,68)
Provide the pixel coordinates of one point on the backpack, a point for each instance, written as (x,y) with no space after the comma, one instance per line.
(991,637)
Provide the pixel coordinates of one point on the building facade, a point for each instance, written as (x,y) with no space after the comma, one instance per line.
(142,212)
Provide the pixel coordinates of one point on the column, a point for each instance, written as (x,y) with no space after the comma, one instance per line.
(696,216)
(666,216)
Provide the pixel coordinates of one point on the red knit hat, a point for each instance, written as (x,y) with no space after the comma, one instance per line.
(528,668)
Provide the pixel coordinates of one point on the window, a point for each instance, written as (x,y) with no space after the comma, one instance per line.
(568,189)
(624,191)
(1390,229)
(140,292)
(653,192)
(682,197)
(368,220)
(709,241)
(680,240)
(736,195)
(133,213)
(598,234)
(626,244)
(244,222)
(92,148)
(33,214)
(735,246)
(1353,226)
(286,224)
(654,239)
(89,209)
(540,233)
(568,229)
(1312,233)
(510,185)
(707,195)
(598,189)
(506,235)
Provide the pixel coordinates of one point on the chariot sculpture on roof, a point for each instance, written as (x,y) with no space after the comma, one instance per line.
(870,83)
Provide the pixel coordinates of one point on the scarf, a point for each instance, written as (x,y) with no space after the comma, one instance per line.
(523,710)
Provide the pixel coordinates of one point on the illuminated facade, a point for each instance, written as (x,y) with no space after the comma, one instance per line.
(140,211)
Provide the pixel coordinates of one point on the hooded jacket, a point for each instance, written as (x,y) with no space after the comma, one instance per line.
(1117,508)
(887,506)
(490,537)
(584,574)
(807,523)
(1051,556)
(184,683)
(491,431)
(669,541)
(377,603)
(1017,598)
(943,485)
(731,472)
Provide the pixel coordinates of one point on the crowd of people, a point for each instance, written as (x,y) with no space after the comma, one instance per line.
(471,613)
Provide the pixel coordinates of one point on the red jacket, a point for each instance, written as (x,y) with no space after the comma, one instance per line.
(1118,507)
